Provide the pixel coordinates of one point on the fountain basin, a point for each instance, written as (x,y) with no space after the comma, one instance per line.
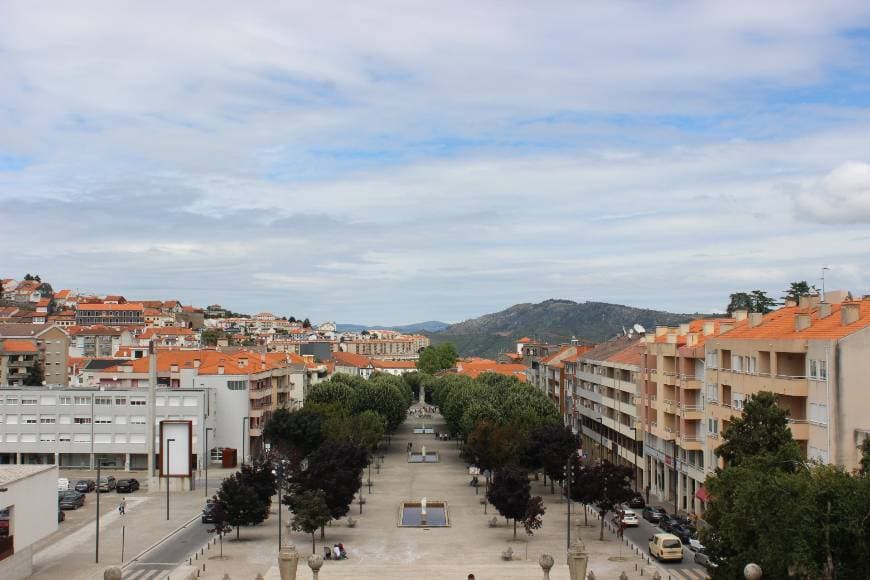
(424,431)
(418,457)
(410,515)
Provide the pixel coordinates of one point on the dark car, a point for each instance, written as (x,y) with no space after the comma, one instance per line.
(70,500)
(636,502)
(86,485)
(684,532)
(654,514)
(702,558)
(127,485)
(207,517)
(668,523)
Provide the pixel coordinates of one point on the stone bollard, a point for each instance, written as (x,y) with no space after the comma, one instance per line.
(225,577)
(288,560)
(258,576)
(112,573)
(315,562)
(591,575)
(623,576)
(578,559)
(546,561)
(657,575)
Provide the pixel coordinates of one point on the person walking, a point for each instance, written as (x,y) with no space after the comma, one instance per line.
(122,507)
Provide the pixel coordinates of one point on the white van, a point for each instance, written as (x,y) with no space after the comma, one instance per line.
(63,484)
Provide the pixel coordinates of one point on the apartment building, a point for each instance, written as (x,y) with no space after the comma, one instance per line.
(98,341)
(602,386)
(671,412)
(400,348)
(25,345)
(129,314)
(73,427)
(814,356)
(365,367)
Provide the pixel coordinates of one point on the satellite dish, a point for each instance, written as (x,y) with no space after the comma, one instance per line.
(639,329)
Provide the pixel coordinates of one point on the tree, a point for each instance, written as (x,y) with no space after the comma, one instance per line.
(551,447)
(581,488)
(335,468)
(609,486)
(865,456)
(221,522)
(796,290)
(510,493)
(762,430)
(211,336)
(340,389)
(437,358)
(761,302)
(534,518)
(295,433)
(35,375)
(291,319)
(491,446)
(306,323)
(258,475)
(310,513)
(244,507)
(739,301)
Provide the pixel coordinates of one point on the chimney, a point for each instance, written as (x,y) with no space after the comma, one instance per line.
(790,303)
(671,338)
(243,362)
(196,363)
(692,339)
(809,301)
(850,313)
(755,319)
(173,368)
(220,369)
(740,314)
(684,328)
(661,330)
(824,310)
(801,321)
(709,328)
(725,327)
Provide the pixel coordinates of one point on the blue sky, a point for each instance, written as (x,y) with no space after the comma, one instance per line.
(389,162)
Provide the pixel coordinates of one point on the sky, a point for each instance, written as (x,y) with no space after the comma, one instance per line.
(393,162)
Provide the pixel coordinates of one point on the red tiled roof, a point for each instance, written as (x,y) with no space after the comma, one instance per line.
(349,359)
(780,324)
(102,306)
(23,346)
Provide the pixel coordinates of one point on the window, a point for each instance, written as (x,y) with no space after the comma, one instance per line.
(823,370)
(82,420)
(28,437)
(174,401)
(137,438)
(738,401)
(139,401)
(753,365)
(736,363)
(814,369)
(102,400)
(64,437)
(28,419)
(121,420)
(48,401)
(66,400)
(103,420)
(236,385)
(713,426)
(11,400)
(29,401)
(161,401)
(47,419)
(47,438)
(713,393)
(137,420)
(120,438)
(65,420)
(190,401)
(120,401)
(82,400)
(82,438)
(102,438)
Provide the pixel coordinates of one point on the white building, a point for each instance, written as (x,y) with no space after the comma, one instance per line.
(28,509)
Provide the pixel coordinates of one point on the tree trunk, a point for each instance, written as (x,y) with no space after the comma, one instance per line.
(552,487)
(238,528)
(515,529)
(601,535)
(585,515)
(545,478)
(313,544)
(322,532)
(221,536)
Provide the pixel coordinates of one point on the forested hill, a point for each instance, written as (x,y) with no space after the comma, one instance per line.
(551,321)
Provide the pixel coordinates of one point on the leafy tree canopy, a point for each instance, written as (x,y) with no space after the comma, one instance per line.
(437,358)
(491,446)
(796,290)
(295,433)
(510,493)
(243,505)
(336,468)
(550,447)
(760,432)
(609,485)
(755,301)
(310,512)
(258,475)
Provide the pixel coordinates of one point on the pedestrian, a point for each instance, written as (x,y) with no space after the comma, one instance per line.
(471,577)
(122,507)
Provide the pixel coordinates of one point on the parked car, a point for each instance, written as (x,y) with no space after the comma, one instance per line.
(666,547)
(703,558)
(695,544)
(668,523)
(653,514)
(127,485)
(86,485)
(70,500)
(207,517)
(629,518)
(106,483)
(684,532)
(637,502)
(63,484)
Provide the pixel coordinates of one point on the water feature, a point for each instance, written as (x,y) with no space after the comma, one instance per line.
(424,514)
(422,456)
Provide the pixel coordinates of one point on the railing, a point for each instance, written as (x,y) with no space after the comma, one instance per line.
(693,408)
(791,377)
(692,438)
(686,377)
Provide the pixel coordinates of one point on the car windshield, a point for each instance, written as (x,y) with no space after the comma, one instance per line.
(671,544)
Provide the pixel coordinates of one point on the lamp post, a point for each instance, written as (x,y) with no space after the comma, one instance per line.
(169,441)
(206,455)
(634,450)
(97,546)
(279,471)
(600,437)
(244,436)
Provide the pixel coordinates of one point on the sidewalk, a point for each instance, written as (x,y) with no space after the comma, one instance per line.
(378,548)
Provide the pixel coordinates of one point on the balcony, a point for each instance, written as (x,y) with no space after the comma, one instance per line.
(671,406)
(692,412)
(689,382)
(691,442)
(669,379)
(800,429)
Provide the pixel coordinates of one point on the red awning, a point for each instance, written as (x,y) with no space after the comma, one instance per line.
(702,494)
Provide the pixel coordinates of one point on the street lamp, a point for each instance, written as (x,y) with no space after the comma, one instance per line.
(168,442)
(206,457)
(244,436)
(600,437)
(279,471)
(752,572)
(97,547)
(634,450)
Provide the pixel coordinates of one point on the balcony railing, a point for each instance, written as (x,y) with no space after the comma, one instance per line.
(791,377)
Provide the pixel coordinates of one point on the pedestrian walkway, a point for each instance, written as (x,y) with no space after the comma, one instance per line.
(378,548)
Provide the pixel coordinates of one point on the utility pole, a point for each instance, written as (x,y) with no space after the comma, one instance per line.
(168,442)
(206,458)
(824,269)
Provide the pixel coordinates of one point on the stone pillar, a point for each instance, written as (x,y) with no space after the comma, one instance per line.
(315,562)
(546,562)
(578,559)
(112,573)
(422,395)
(288,560)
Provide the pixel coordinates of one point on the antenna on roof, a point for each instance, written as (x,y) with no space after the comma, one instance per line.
(624,333)
(639,329)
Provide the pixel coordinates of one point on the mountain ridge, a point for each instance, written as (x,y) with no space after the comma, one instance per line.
(427,326)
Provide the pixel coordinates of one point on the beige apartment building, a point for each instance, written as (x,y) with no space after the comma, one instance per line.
(400,348)
(25,345)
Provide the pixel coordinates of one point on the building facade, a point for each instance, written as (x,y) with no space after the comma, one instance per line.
(130,314)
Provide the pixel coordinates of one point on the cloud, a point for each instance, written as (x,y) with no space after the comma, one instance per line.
(841,197)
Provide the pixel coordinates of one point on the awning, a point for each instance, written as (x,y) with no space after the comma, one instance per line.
(702,494)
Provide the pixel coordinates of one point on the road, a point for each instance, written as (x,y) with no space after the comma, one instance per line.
(687,569)
(173,551)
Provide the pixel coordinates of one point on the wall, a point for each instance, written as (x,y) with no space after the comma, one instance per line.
(853,402)
(34,505)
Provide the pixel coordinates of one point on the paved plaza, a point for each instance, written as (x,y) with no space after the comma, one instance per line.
(378,548)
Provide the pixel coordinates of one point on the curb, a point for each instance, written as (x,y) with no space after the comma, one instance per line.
(160,541)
